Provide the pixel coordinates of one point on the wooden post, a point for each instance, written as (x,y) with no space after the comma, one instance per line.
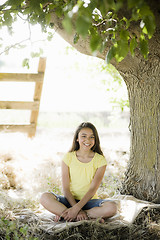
(25,105)
(37,96)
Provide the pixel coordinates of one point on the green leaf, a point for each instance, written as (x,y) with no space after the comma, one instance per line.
(121,50)
(95,42)
(82,25)
(67,24)
(35,7)
(124,35)
(110,54)
(59,10)
(144,10)
(150,26)
(76,38)
(133,45)
(50,36)
(14,3)
(133,3)
(135,15)
(118,5)
(37,54)
(144,47)
(48,18)
(24,230)
(7,18)
(105,5)
(127,22)
(25,63)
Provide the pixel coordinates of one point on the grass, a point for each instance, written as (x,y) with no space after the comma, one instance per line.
(11,230)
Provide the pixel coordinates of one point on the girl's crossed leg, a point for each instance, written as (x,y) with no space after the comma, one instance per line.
(53,204)
(49,201)
(106,210)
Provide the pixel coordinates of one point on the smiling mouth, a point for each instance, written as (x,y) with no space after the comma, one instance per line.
(87,145)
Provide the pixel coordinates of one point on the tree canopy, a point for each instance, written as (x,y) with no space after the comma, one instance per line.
(122,25)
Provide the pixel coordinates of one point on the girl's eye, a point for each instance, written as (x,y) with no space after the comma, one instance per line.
(83,136)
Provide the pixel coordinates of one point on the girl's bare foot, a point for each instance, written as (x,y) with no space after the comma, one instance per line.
(101,220)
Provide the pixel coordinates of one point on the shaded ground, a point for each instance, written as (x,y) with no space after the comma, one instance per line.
(32,166)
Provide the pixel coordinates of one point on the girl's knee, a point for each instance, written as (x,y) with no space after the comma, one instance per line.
(112,207)
(45,197)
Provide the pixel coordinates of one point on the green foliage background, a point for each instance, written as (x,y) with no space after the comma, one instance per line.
(100,20)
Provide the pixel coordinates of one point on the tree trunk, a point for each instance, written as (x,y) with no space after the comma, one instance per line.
(142,77)
(143,174)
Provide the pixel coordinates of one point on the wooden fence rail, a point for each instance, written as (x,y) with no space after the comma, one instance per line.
(33,106)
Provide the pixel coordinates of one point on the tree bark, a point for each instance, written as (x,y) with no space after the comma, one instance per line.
(143,174)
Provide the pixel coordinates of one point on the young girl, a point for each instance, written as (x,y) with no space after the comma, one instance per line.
(83,168)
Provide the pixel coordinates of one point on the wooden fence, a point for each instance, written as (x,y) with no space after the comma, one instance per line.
(33,106)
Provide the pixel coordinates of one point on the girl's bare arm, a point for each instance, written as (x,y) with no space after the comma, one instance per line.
(66,184)
(93,187)
(72,213)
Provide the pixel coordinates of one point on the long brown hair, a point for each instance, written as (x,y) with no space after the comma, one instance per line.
(75,144)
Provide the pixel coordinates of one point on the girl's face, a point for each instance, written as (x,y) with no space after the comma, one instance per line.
(86,139)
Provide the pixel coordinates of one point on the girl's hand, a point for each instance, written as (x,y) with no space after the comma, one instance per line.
(82,216)
(70,214)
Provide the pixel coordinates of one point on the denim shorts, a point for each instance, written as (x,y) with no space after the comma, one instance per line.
(90,204)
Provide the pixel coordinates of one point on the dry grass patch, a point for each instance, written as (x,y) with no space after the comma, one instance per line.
(29,167)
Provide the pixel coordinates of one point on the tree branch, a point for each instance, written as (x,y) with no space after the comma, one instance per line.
(13,46)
